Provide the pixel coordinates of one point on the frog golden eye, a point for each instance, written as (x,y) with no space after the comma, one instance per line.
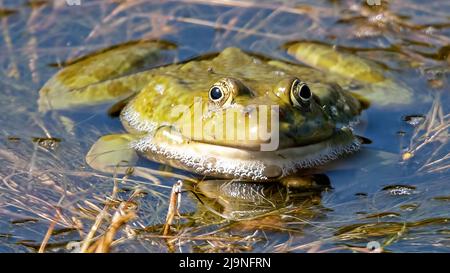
(223,91)
(300,94)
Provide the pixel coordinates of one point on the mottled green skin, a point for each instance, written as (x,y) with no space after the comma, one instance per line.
(97,77)
(269,83)
(111,75)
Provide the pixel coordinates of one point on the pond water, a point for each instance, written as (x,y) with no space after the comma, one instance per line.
(395,192)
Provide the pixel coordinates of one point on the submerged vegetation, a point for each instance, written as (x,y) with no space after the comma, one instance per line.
(396,192)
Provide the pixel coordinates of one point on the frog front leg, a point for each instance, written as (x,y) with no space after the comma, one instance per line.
(112,154)
(105,76)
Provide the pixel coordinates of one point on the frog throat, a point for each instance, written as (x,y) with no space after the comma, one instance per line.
(230,162)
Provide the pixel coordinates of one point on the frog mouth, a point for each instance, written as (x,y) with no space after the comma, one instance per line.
(168,146)
(231,162)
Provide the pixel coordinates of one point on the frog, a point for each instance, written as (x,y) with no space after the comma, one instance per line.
(312,100)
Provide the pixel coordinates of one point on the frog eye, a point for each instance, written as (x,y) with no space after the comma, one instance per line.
(215,94)
(223,91)
(300,94)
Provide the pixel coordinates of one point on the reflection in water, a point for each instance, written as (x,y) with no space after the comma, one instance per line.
(42,156)
(234,216)
(239,200)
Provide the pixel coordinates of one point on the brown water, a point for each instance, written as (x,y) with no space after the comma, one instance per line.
(403,204)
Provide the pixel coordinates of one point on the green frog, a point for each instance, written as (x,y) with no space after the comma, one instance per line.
(309,105)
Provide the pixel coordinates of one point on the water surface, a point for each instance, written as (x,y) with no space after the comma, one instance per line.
(401,201)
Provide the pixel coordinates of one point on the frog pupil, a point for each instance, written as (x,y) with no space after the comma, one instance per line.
(216,93)
(305,92)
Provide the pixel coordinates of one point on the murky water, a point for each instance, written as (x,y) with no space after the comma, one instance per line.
(396,191)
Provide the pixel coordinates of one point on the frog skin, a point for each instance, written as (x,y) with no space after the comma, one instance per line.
(318,100)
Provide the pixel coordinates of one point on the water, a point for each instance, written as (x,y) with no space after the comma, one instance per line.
(400,201)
